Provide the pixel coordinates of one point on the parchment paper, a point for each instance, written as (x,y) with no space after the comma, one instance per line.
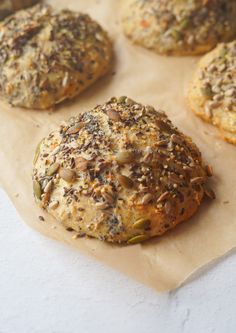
(165,262)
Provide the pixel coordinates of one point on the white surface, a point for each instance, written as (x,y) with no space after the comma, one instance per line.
(48,287)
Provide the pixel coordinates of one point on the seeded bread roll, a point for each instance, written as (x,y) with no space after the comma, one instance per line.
(9,6)
(212,94)
(180,27)
(120,172)
(47,56)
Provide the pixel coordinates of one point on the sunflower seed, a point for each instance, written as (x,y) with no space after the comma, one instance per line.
(109,198)
(81,164)
(65,79)
(53,169)
(208,111)
(129,101)
(48,187)
(209,170)
(113,115)
(176,139)
(125,181)
(75,128)
(53,204)
(230,92)
(67,174)
(168,207)
(163,126)
(125,156)
(162,143)
(101,205)
(210,193)
(174,178)
(146,198)
(86,156)
(163,196)
(197,180)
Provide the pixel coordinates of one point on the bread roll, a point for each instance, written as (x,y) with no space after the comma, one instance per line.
(48,56)
(212,94)
(121,172)
(180,27)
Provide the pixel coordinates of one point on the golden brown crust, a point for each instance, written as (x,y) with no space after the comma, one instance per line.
(47,56)
(212,93)
(180,27)
(120,172)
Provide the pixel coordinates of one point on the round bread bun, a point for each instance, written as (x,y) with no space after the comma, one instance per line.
(47,56)
(212,93)
(120,172)
(180,27)
(9,6)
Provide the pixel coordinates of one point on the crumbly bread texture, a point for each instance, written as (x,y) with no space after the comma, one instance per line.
(9,6)
(180,27)
(120,172)
(212,93)
(47,56)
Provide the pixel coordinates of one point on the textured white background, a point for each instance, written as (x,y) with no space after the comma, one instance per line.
(47,287)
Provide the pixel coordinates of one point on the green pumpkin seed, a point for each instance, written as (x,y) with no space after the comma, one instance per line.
(37,189)
(150,109)
(206,91)
(37,152)
(137,239)
(53,169)
(223,52)
(184,23)
(141,224)
(178,35)
(121,99)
